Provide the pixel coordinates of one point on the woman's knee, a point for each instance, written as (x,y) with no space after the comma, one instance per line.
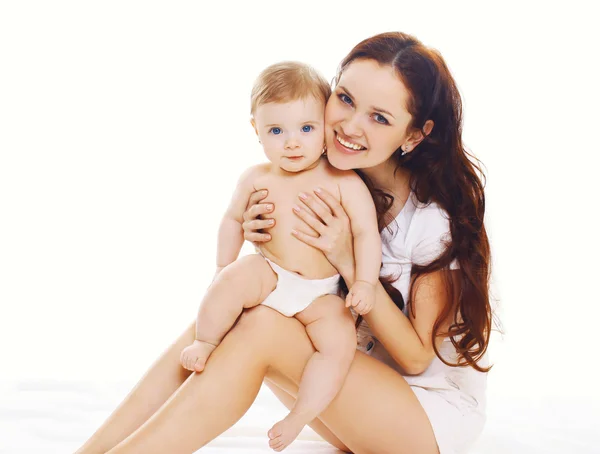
(259,316)
(266,327)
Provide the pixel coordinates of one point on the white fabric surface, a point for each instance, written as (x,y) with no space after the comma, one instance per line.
(294,293)
(52,417)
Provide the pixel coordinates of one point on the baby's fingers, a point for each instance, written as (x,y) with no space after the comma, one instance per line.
(186,361)
(190,363)
(366,309)
(348,299)
(356,299)
(361,308)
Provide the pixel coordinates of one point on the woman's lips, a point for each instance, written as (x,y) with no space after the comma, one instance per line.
(342,148)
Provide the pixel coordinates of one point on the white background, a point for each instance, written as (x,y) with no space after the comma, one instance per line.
(124,126)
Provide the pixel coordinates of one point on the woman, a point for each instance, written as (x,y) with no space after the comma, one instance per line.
(417,384)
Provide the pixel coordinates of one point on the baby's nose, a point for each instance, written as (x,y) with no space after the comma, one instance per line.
(292,144)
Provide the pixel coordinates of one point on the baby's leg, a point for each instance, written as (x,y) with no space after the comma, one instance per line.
(243,284)
(330,327)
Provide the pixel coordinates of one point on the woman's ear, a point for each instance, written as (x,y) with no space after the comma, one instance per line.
(417,136)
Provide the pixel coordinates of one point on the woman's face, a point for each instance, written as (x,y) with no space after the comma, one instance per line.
(365,118)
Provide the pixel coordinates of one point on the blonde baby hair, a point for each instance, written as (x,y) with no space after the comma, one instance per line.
(288,81)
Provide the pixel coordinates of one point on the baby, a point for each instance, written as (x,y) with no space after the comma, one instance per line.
(288,104)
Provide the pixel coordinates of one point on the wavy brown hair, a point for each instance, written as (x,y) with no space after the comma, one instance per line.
(442,171)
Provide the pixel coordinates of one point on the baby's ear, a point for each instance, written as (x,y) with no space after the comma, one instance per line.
(253,123)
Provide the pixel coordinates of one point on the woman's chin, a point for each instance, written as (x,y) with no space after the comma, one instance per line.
(339,161)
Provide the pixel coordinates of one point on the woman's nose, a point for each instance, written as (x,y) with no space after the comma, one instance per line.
(351,126)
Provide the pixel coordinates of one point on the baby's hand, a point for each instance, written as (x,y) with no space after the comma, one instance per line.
(194,356)
(361,297)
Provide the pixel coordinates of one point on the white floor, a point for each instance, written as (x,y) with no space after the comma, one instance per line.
(56,417)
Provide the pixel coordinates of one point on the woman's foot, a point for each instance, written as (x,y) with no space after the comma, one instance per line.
(285,431)
(194,357)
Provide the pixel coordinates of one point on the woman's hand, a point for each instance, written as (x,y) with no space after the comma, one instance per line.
(252,222)
(326,217)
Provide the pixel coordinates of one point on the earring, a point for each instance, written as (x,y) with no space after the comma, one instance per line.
(324,149)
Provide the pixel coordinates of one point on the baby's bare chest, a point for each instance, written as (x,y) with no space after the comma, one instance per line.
(284,193)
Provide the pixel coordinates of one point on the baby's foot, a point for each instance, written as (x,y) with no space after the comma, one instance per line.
(284,432)
(194,357)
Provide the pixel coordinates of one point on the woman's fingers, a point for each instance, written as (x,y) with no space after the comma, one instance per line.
(250,230)
(310,240)
(317,206)
(310,219)
(256,210)
(255,237)
(331,202)
(258,224)
(256,197)
(253,222)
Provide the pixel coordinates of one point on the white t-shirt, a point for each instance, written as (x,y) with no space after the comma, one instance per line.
(418,236)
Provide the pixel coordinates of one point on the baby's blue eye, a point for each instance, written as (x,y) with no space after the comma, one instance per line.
(307,128)
(276,131)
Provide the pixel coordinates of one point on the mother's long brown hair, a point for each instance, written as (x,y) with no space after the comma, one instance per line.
(442,171)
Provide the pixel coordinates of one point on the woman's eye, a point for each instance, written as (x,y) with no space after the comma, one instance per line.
(381,119)
(307,128)
(345,98)
(276,131)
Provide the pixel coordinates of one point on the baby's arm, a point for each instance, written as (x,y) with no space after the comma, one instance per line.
(210,322)
(231,233)
(360,208)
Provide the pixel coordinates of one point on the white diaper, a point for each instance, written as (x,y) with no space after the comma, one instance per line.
(294,293)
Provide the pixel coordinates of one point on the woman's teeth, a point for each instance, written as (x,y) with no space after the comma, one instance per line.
(348,144)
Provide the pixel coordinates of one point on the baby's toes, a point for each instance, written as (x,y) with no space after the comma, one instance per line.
(276,444)
(276,441)
(276,431)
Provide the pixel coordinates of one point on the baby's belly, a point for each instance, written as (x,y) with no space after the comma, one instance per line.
(294,255)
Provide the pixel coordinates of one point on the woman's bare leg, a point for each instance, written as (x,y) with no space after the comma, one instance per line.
(152,391)
(247,282)
(210,402)
(375,411)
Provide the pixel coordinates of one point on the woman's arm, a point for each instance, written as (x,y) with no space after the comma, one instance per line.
(407,339)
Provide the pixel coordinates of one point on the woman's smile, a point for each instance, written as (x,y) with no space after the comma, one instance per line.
(348,146)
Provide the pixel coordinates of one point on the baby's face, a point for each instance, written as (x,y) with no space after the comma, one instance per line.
(292,133)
